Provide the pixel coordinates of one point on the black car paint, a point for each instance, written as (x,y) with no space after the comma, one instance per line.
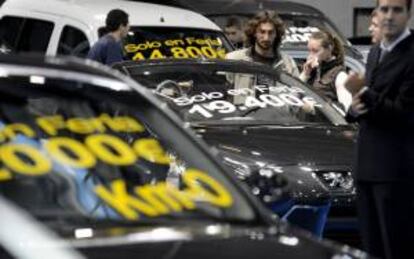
(316,148)
(226,242)
(284,145)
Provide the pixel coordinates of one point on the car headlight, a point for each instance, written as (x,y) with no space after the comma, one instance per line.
(264,181)
(337,181)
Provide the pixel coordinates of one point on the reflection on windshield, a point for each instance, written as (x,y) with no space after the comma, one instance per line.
(178,43)
(71,156)
(199,95)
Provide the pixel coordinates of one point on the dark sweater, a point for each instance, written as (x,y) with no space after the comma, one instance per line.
(106,51)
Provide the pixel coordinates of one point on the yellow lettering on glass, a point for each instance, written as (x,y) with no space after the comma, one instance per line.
(125,204)
(121,124)
(51,124)
(165,197)
(111,149)
(202,187)
(85,126)
(151,150)
(179,52)
(5,175)
(79,157)
(138,56)
(156,54)
(10,131)
(17,156)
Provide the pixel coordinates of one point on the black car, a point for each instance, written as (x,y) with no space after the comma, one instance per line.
(96,158)
(300,19)
(259,118)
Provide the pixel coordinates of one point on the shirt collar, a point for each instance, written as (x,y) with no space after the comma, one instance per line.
(400,38)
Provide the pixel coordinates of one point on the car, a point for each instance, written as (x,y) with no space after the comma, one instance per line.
(300,19)
(257,118)
(99,160)
(71,27)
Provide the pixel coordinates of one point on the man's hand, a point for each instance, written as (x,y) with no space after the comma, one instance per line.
(308,107)
(354,83)
(357,107)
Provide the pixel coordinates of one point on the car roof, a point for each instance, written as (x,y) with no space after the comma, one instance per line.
(209,7)
(93,12)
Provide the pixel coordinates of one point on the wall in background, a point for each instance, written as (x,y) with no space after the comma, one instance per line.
(341,12)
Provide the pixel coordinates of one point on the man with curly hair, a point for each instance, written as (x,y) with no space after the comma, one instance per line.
(264,34)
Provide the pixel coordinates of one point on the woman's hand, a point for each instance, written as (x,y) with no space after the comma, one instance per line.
(310,64)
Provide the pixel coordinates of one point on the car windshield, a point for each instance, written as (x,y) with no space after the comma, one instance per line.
(298,27)
(178,43)
(208,94)
(70,152)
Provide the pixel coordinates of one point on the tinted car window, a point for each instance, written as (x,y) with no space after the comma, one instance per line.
(73,42)
(35,36)
(178,43)
(25,35)
(216,95)
(67,156)
(10,29)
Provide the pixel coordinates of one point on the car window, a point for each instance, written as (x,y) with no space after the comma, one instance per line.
(72,155)
(208,95)
(10,28)
(178,43)
(25,35)
(73,42)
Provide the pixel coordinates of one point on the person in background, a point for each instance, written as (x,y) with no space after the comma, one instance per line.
(264,34)
(383,104)
(324,68)
(374,28)
(108,49)
(234,31)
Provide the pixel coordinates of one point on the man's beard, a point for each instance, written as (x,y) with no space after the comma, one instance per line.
(264,45)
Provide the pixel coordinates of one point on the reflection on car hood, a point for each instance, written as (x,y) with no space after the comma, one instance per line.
(285,145)
(212,241)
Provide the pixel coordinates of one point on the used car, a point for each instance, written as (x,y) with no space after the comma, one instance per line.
(99,160)
(259,118)
(72,27)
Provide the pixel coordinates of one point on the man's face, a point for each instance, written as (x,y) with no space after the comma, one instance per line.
(234,34)
(393,17)
(124,30)
(375,30)
(265,35)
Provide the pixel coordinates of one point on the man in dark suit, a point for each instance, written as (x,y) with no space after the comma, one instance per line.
(384,164)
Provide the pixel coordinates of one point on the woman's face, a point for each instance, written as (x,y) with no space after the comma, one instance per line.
(316,50)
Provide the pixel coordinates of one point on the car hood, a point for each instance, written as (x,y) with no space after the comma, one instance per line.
(296,145)
(212,241)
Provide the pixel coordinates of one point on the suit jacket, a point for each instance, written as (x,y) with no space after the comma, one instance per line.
(385,149)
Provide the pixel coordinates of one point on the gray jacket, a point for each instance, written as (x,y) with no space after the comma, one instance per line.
(286,63)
